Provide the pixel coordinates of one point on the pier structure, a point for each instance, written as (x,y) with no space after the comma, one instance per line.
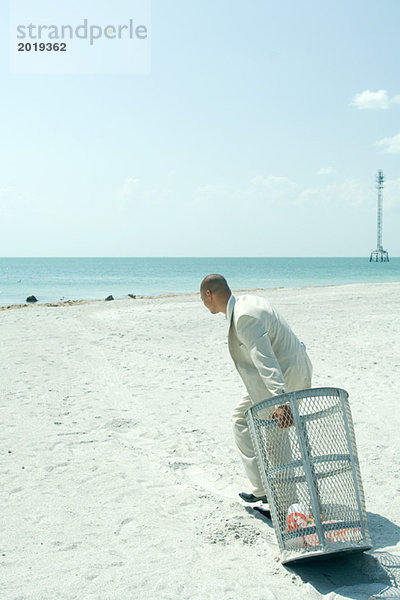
(379,255)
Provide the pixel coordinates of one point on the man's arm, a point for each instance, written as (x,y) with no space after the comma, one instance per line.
(251,332)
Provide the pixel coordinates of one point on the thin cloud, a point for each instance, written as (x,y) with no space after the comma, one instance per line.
(273,184)
(350,192)
(262,192)
(130,187)
(368,100)
(391,194)
(389,145)
(325,171)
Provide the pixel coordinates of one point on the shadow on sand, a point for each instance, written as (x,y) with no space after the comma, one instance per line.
(364,576)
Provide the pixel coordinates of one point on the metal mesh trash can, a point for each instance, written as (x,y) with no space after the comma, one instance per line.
(311,473)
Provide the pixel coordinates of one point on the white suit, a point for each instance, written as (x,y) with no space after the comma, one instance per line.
(270,360)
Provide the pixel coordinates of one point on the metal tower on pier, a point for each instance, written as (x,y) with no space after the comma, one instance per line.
(379,255)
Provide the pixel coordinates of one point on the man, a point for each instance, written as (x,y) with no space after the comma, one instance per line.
(269,358)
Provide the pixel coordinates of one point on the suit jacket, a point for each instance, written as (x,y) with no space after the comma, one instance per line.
(269,357)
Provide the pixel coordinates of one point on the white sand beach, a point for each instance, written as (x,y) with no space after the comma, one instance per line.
(120,474)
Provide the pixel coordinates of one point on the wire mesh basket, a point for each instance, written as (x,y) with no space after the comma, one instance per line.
(310,470)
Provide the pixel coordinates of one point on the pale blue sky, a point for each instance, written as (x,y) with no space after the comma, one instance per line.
(246,139)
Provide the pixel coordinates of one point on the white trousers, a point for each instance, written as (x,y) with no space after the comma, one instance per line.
(245,446)
(278,450)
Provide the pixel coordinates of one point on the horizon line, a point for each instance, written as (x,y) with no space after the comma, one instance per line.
(366,256)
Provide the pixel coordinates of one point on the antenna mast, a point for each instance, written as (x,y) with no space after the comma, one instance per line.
(379,255)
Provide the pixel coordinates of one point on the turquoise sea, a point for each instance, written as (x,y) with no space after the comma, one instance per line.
(52,279)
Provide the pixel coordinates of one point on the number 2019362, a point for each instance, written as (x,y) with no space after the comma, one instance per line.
(41,47)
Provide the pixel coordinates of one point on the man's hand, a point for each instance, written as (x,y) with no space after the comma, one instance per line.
(284,415)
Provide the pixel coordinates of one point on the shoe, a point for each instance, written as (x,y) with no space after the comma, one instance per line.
(252,498)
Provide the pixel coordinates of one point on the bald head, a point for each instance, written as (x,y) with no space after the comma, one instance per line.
(215,293)
(217,284)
